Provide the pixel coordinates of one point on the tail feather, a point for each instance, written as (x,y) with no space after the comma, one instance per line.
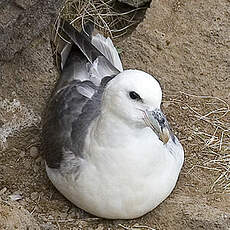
(87,30)
(65,53)
(86,47)
(84,61)
(106,47)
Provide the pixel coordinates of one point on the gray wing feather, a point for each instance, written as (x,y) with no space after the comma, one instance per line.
(57,129)
(86,47)
(65,53)
(76,100)
(106,47)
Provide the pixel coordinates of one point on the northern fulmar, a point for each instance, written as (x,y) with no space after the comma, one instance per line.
(109,147)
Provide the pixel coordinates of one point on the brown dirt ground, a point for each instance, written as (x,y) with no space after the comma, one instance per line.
(186,45)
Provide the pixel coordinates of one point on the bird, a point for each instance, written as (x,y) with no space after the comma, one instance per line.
(109,148)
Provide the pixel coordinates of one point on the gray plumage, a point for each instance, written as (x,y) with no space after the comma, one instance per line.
(76,100)
(105,134)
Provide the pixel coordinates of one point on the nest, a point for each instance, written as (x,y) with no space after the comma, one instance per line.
(112,18)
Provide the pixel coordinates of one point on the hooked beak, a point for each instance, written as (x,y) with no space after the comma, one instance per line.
(156,120)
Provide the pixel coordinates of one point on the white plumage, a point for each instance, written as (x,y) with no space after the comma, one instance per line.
(128,163)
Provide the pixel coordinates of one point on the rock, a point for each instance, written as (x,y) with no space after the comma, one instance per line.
(25,61)
(50,217)
(21,21)
(187,49)
(15,197)
(135,3)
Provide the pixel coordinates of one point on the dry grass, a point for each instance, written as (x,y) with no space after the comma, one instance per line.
(206,136)
(136,227)
(108,16)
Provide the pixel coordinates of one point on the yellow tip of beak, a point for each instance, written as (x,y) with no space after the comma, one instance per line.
(164,135)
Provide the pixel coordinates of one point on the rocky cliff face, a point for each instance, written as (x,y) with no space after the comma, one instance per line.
(26,73)
(184,43)
(26,63)
(21,21)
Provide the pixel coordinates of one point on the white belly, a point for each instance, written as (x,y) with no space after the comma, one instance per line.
(121,187)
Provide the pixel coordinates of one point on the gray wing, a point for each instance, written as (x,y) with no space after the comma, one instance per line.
(63,111)
(76,100)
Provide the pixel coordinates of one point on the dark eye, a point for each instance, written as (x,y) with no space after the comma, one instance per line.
(135,96)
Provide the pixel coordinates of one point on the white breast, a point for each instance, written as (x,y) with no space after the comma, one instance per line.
(122,183)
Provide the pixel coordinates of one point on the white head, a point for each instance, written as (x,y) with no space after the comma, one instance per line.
(135,97)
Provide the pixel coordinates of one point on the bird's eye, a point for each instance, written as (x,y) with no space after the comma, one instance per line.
(135,96)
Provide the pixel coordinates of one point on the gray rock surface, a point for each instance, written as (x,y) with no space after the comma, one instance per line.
(184,43)
(26,63)
(23,20)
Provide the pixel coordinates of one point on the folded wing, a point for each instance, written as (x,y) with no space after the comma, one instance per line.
(88,64)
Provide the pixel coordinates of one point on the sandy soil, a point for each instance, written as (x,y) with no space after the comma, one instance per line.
(185,44)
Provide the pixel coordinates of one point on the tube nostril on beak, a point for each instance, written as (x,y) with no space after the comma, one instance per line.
(158,123)
(161,120)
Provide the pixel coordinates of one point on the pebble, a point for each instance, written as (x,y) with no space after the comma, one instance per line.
(50,217)
(34,152)
(34,195)
(15,197)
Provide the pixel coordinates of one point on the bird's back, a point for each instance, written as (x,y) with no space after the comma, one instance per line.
(87,64)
